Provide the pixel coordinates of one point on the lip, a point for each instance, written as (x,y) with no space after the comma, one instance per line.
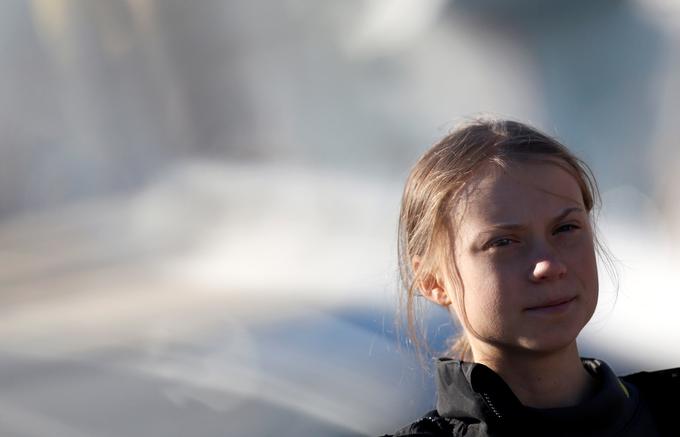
(553,306)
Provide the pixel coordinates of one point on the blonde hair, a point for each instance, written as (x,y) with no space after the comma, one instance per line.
(434,185)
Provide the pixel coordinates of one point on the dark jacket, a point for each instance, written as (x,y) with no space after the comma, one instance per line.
(473,401)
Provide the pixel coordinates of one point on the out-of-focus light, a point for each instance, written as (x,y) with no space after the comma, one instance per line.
(388,25)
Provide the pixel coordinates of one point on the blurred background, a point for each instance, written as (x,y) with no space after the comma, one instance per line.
(198,200)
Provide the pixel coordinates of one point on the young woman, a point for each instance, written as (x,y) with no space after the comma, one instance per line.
(496,226)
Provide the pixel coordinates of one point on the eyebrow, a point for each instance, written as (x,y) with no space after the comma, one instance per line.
(512,226)
(566,212)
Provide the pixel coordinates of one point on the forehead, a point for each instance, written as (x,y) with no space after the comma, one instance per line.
(517,193)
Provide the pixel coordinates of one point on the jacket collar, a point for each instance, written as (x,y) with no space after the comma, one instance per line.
(474,393)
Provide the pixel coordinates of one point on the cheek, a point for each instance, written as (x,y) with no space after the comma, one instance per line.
(485,316)
(484,298)
(589,279)
(584,265)
(593,270)
(489,285)
(484,306)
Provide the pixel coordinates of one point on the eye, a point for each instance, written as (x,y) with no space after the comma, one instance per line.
(566,228)
(500,242)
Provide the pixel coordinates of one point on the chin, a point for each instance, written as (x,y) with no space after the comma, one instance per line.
(557,337)
(550,342)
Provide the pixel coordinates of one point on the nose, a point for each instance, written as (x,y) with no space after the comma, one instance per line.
(548,269)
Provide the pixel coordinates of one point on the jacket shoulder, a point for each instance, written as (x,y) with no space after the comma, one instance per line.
(661,383)
(660,390)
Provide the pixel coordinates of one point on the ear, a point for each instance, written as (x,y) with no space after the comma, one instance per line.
(432,287)
(433,290)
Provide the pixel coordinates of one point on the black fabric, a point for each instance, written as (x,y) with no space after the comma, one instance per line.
(661,391)
(473,401)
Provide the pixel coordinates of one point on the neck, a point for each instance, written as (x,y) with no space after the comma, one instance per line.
(550,380)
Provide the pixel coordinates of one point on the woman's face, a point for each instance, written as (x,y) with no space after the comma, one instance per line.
(524,250)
